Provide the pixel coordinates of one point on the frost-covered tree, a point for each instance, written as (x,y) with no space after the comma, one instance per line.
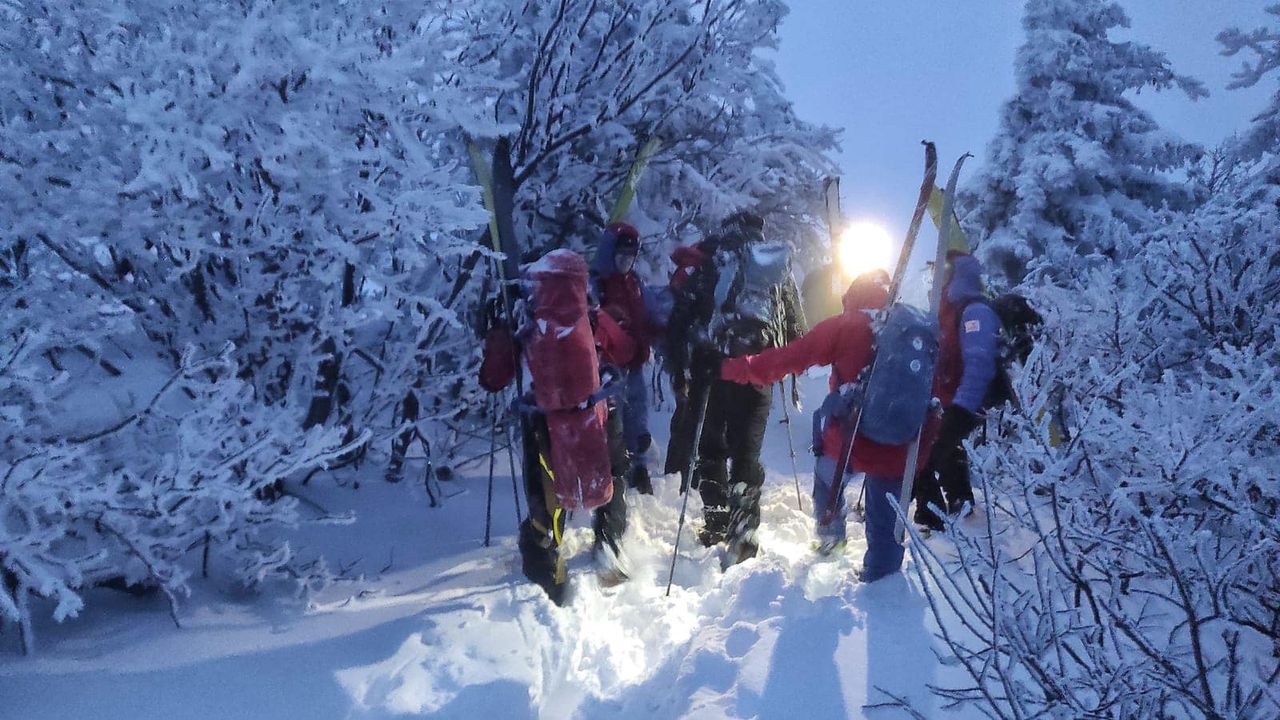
(1131,562)
(1075,164)
(1262,140)
(261,217)
(589,83)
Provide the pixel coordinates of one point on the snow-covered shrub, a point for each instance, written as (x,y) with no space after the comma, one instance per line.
(291,181)
(1131,566)
(182,178)
(186,474)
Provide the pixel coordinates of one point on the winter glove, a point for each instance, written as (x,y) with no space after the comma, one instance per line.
(736,370)
(957,423)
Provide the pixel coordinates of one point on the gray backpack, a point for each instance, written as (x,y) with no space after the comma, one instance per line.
(748,298)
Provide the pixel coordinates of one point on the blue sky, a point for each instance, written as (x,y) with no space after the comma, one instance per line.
(893,72)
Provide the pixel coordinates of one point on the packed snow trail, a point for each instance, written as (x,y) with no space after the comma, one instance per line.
(450,629)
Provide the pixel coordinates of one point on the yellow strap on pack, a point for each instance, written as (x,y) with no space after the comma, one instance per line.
(557,531)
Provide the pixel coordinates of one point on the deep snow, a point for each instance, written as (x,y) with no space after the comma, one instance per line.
(442,627)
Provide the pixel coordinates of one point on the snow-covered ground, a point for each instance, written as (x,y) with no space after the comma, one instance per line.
(440,626)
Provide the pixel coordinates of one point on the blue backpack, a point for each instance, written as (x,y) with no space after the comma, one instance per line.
(899,388)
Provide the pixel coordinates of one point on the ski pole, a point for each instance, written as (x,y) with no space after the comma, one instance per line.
(791,445)
(693,458)
(493,452)
(511,460)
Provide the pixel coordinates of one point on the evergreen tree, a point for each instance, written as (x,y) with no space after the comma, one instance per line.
(1261,140)
(1076,165)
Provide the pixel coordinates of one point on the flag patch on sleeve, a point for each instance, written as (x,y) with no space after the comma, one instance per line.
(971,326)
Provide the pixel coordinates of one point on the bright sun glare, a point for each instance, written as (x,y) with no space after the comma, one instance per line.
(865,246)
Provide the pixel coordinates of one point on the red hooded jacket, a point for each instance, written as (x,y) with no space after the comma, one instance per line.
(622,298)
(845,342)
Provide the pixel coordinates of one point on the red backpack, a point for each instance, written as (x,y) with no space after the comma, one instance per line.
(560,352)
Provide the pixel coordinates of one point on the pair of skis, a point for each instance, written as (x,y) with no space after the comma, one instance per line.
(927,191)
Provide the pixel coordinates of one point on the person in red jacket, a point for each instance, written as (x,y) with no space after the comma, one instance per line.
(845,342)
(539,535)
(622,295)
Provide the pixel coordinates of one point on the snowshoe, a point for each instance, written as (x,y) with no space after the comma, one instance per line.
(710,537)
(738,551)
(541,563)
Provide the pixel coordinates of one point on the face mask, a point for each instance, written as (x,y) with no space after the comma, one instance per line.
(624,263)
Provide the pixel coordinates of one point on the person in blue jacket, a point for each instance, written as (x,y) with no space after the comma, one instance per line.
(969,339)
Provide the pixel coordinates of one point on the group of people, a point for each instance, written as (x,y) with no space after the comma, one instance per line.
(728,327)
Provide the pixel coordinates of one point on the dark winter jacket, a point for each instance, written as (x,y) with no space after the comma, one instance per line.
(969,339)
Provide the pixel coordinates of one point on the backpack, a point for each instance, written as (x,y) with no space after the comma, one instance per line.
(1019,323)
(897,392)
(560,352)
(748,298)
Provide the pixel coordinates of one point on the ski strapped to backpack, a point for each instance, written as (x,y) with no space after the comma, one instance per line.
(935,306)
(850,400)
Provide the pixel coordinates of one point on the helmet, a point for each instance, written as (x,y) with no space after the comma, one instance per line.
(625,235)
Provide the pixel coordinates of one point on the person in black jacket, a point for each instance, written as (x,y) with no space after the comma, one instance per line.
(742,300)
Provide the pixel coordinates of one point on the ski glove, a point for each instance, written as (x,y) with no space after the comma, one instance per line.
(957,423)
(736,370)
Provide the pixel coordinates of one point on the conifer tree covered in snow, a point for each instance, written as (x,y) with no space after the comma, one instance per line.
(1076,164)
(260,220)
(1263,44)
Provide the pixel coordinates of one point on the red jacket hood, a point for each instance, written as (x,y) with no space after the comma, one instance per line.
(869,291)
(688,256)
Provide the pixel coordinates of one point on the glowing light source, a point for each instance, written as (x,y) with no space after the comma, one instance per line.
(864,246)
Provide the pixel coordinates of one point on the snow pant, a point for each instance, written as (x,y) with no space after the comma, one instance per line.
(682,424)
(635,412)
(729,473)
(824,471)
(947,471)
(884,552)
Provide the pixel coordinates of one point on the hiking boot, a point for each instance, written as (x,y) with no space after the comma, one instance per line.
(925,518)
(869,576)
(540,561)
(640,480)
(715,526)
(960,507)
